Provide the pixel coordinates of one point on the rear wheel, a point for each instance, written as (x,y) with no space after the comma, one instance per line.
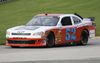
(84,38)
(50,40)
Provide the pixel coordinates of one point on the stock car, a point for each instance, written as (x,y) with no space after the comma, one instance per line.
(51,30)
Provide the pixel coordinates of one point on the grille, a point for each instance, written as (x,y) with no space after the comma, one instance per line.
(21,42)
(21,33)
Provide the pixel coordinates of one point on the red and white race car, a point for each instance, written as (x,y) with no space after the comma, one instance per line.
(52,29)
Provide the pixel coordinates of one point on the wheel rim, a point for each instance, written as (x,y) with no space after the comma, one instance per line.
(84,40)
(50,41)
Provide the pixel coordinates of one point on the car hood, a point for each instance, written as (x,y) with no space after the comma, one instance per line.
(31,28)
(26,28)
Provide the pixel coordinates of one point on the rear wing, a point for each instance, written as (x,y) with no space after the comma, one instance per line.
(91,18)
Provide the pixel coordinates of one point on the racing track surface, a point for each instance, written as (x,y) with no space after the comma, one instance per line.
(65,54)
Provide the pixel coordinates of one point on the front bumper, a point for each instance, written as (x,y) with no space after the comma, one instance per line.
(26,42)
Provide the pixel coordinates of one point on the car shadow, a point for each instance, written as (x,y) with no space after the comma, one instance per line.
(60,46)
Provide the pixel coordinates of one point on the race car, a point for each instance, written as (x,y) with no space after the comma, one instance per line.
(51,30)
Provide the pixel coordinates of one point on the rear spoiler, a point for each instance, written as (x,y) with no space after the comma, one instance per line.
(91,18)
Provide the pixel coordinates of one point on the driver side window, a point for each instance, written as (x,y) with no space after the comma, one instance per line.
(66,21)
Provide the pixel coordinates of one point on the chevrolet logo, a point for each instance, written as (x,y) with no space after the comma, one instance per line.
(20,31)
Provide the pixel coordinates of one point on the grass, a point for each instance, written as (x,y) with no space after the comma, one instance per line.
(19,12)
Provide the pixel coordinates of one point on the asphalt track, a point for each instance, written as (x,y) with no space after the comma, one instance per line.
(64,54)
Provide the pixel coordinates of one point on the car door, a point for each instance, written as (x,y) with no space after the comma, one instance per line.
(68,31)
(78,25)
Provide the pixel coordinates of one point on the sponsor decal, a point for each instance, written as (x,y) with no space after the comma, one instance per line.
(20,32)
(58,38)
(59,35)
(92,33)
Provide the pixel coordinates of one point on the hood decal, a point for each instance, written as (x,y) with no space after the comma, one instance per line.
(27,28)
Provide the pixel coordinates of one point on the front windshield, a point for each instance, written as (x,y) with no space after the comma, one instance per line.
(43,21)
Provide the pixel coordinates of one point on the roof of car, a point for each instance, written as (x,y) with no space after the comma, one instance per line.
(55,15)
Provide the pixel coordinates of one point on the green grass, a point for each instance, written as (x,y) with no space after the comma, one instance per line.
(19,12)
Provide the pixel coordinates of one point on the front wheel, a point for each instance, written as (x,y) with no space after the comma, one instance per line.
(50,40)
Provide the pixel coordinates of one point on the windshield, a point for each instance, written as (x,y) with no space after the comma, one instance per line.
(43,21)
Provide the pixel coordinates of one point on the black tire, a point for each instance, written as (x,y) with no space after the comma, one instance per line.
(84,38)
(50,40)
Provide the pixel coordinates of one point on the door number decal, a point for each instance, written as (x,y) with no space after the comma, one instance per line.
(70,33)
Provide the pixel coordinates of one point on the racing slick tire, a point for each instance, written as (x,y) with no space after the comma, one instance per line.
(50,40)
(84,38)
